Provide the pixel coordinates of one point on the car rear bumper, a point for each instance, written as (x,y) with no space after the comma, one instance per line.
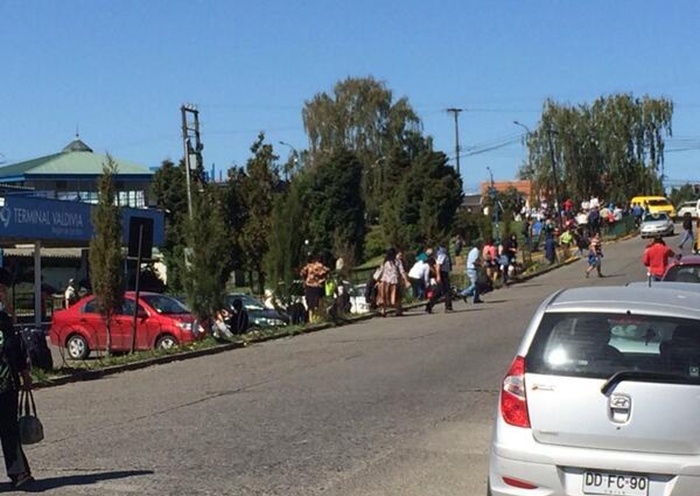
(559,471)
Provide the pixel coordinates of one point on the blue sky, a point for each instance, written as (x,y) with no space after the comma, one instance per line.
(118,71)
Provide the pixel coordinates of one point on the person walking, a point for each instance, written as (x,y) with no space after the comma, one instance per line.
(443,267)
(595,256)
(314,274)
(473,265)
(655,258)
(687,231)
(489,257)
(403,283)
(507,258)
(14,375)
(388,281)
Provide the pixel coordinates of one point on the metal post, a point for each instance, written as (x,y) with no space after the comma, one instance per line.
(137,289)
(494,196)
(187,147)
(455,112)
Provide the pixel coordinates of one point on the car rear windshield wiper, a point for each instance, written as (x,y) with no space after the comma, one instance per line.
(646,376)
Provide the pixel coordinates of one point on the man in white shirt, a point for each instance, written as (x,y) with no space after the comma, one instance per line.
(419,275)
(473,264)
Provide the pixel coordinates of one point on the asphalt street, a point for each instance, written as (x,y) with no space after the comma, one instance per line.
(388,406)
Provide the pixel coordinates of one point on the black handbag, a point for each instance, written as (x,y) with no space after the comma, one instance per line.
(30,429)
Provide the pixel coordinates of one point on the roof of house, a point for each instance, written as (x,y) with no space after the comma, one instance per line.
(76,158)
(471,200)
(523,186)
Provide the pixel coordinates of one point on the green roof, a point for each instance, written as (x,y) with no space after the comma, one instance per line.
(76,158)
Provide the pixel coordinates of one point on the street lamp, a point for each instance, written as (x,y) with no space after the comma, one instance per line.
(296,156)
(527,129)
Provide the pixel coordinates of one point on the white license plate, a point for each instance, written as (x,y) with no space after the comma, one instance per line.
(617,484)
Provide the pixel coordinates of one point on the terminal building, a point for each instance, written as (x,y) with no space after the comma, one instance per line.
(46,222)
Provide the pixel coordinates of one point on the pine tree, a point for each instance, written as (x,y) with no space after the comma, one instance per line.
(106,259)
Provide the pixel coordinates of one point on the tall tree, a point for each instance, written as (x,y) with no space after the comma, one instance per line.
(612,149)
(169,190)
(206,266)
(422,207)
(335,206)
(287,235)
(257,190)
(105,256)
(361,116)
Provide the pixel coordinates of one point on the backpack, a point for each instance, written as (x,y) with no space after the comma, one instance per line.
(37,349)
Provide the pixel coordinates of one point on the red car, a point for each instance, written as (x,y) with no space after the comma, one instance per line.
(162,322)
(684,269)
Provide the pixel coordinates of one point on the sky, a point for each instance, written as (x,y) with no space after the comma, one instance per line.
(117,72)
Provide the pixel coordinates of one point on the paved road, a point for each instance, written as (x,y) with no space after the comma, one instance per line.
(395,406)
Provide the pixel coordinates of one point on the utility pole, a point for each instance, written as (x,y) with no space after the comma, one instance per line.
(190,129)
(493,193)
(455,112)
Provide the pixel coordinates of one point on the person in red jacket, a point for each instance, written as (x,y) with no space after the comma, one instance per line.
(655,258)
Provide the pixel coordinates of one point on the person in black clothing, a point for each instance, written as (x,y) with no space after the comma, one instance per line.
(510,250)
(239,320)
(14,375)
(443,267)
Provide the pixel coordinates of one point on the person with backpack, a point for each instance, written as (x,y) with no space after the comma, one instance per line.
(14,375)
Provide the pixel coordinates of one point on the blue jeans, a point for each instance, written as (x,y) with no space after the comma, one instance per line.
(472,289)
(687,236)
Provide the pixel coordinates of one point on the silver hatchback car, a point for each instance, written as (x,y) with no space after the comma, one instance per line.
(603,397)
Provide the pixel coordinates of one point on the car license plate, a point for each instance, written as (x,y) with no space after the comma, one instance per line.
(617,484)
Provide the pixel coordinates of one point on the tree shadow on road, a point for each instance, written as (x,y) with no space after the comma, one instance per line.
(41,485)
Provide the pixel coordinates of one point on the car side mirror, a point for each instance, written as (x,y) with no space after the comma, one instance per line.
(142,314)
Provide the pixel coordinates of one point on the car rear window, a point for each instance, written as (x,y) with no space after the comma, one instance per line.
(683,273)
(655,216)
(598,345)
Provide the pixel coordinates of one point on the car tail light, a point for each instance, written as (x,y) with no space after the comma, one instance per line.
(518,483)
(513,397)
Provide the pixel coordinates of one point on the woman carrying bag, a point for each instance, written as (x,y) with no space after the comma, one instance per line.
(14,375)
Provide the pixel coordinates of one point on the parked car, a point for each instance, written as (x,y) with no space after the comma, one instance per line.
(683,269)
(656,224)
(689,207)
(258,314)
(601,397)
(162,321)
